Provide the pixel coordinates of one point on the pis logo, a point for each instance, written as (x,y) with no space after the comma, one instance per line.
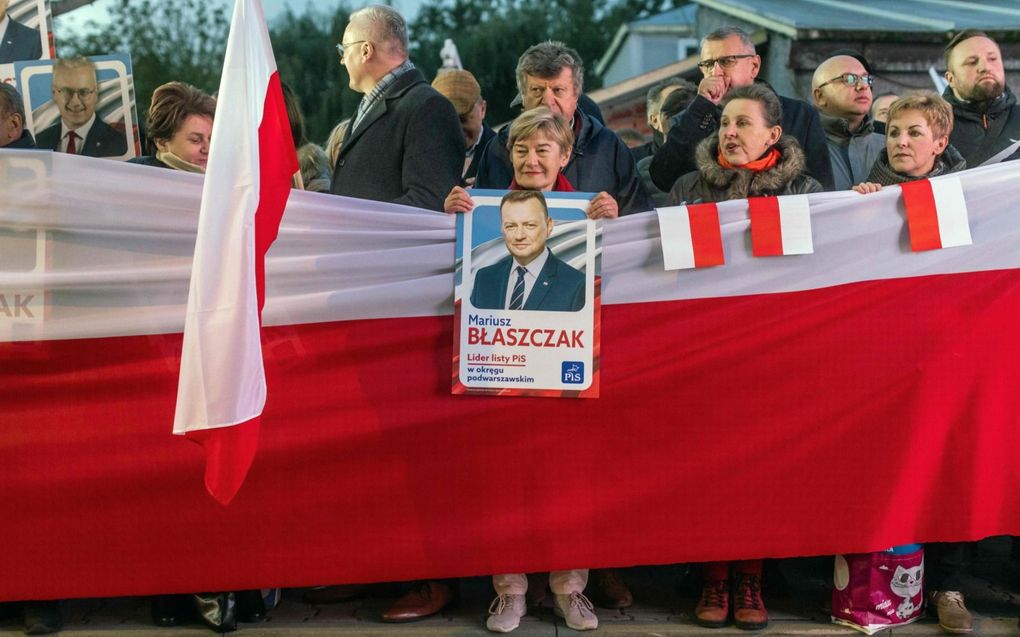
(572,372)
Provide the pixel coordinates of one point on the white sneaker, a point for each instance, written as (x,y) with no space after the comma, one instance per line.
(576,610)
(505,613)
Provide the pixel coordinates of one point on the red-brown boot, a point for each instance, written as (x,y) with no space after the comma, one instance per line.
(713,609)
(748,609)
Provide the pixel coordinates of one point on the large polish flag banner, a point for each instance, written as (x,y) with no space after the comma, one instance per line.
(847,400)
(222,386)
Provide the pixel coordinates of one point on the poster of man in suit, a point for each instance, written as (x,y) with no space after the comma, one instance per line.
(81,106)
(25,31)
(526,295)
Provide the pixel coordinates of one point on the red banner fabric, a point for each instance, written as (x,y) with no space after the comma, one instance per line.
(845,419)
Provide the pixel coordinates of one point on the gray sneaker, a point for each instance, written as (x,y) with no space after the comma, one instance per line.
(505,613)
(953,614)
(577,611)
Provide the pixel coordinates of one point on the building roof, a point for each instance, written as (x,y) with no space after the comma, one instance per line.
(680,21)
(814,19)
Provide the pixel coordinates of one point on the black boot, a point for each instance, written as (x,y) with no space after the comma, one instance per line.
(251,608)
(165,610)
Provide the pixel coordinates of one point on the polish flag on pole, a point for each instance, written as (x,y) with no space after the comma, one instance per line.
(780,225)
(691,237)
(222,386)
(936,214)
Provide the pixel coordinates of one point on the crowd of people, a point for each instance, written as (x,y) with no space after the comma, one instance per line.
(731,136)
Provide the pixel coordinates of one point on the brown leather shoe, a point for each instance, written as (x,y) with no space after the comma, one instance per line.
(713,609)
(422,601)
(953,614)
(608,590)
(748,608)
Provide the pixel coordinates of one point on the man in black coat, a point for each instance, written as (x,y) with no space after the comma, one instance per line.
(80,130)
(405,144)
(986,115)
(17,41)
(551,74)
(728,60)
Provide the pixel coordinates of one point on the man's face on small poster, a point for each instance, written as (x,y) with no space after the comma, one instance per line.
(75,93)
(526,225)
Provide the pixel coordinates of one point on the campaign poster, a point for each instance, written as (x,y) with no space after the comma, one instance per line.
(28,36)
(59,98)
(527,297)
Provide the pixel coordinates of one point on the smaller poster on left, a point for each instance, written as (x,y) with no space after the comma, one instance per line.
(527,296)
(28,34)
(84,106)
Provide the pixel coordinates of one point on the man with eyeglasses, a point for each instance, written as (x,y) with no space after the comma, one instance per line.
(728,61)
(841,89)
(80,130)
(405,143)
(987,117)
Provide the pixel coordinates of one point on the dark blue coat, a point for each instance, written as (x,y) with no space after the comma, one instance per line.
(558,288)
(20,43)
(600,162)
(103,140)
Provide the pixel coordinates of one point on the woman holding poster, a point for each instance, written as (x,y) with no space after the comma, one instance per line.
(750,157)
(540,145)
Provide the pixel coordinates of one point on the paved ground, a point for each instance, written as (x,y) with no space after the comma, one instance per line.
(797,598)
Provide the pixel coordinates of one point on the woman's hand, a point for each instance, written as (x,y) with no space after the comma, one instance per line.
(603,206)
(866,187)
(458,201)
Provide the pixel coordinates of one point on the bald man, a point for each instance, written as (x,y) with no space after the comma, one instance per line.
(841,91)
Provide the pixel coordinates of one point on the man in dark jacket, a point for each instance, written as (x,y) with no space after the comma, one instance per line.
(728,60)
(841,89)
(12,119)
(986,115)
(405,144)
(551,74)
(17,41)
(463,91)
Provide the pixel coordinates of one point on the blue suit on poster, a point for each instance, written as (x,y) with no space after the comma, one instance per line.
(558,287)
(19,43)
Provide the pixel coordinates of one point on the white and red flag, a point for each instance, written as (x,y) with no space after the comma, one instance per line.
(691,236)
(936,214)
(222,386)
(780,225)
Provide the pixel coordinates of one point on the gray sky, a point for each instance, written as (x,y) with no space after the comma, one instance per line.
(273,8)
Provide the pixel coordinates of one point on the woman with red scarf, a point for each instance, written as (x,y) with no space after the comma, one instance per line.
(540,146)
(750,157)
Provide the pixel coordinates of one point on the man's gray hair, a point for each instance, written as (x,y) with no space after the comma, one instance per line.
(723,33)
(385,24)
(10,102)
(547,60)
